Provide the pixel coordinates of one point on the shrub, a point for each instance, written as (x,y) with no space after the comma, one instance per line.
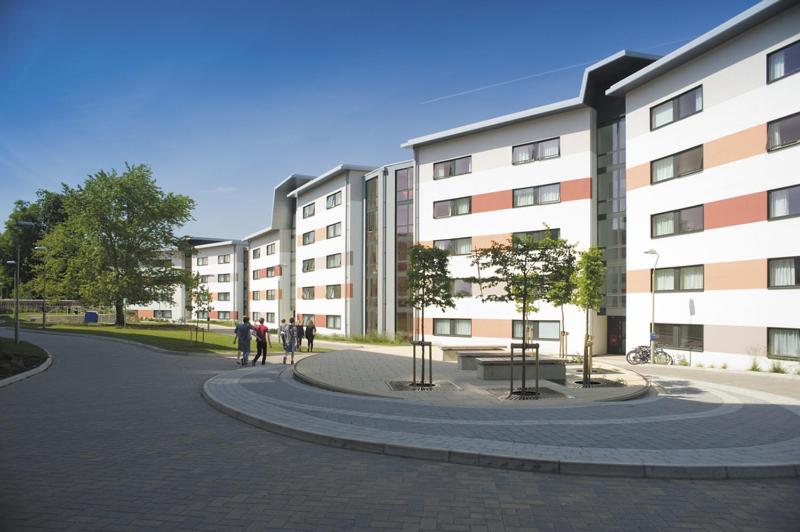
(711,366)
(683,362)
(754,366)
(700,365)
(724,365)
(777,367)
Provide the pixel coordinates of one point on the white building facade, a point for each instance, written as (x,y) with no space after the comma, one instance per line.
(221,267)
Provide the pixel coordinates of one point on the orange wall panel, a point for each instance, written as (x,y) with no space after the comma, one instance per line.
(493,201)
(576,189)
(738,275)
(637,176)
(735,211)
(739,145)
(638,280)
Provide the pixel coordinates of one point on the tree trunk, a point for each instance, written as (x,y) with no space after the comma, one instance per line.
(587,377)
(563,346)
(119,314)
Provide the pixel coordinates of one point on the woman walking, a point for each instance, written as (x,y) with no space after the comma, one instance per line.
(311,331)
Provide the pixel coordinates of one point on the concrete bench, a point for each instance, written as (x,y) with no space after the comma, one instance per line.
(450,352)
(468,360)
(499,368)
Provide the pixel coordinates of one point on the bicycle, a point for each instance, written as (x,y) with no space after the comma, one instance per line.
(641,355)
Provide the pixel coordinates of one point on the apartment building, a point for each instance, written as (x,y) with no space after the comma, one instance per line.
(220,266)
(329,263)
(176,308)
(713,192)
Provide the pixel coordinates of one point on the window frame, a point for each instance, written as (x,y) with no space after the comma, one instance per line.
(769,204)
(782,146)
(256,275)
(335,317)
(306,262)
(327,257)
(256,253)
(677,271)
(520,234)
(674,212)
(270,272)
(269,249)
(312,210)
(452,327)
(269,317)
(674,101)
(334,226)
(333,287)
(453,247)
(311,240)
(223,315)
(535,196)
(462,280)
(534,143)
(226,277)
(303,293)
(538,334)
(452,163)
(224,259)
(794,286)
(780,357)
(161,315)
(255,295)
(770,54)
(219,296)
(269,292)
(202,261)
(703,339)
(337,200)
(450,206)
(676,174)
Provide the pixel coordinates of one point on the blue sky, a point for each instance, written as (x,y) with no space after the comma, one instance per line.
(225,98)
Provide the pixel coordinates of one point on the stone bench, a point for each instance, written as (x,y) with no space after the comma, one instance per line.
(468,360)
(450,352)
(499,368)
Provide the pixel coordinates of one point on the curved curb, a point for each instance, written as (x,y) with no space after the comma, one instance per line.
(305,379)
(44,366)
(514,463)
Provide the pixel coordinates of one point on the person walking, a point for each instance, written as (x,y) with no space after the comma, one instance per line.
(242,337)
(262,341)
(311,332)
(282,333)
(291,340)
(300,333)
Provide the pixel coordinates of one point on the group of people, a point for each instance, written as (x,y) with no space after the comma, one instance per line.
(291,336)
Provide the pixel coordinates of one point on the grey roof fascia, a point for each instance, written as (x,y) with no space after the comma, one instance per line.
(336,170)
(264,231)
(219,244)
(724,32)
(409,162)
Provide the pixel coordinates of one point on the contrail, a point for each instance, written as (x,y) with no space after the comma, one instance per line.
(536,75)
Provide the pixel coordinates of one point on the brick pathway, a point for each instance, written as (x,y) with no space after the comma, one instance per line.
(116,437)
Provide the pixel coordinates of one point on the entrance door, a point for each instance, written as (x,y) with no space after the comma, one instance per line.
(616,335)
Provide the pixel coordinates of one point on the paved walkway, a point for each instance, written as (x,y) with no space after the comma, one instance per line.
(693,428)
(117,437)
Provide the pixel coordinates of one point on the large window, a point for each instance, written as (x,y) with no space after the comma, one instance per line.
(450,327)
(461,288)
(308,292)
(333,200)
(333,291)
(270,249)
(783,342)
(783,62)
(682,279)
(269,295)
(455,246)
(224,315)
(536,151)
(205,279)
(223,296)
(679,336)
(269,317)
(308,210)
(202,261)
(784,272)
(162,314)
(333,261)
(783,132)
(224,278)
(537,330)
(678,165)
(404,238)
(224,259)
(333,322)
(677,108)
(256,275)
(524,197)
(453,207)
(536,236)
(256,253)
(255,295)
(271,271)
(308,238)
(334,230)
(308,265)
(443,169)
(256,316)
(784,202)
(689,220)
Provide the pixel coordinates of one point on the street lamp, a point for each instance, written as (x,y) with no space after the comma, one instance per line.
(20,223)
(44,287)
(653,307)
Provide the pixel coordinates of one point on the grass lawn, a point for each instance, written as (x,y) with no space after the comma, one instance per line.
(16,358)
(372,338)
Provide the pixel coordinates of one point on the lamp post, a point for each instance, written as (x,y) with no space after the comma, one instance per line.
(21,223)
(653,306)
(44,287)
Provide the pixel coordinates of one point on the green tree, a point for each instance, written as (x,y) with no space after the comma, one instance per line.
(117,232)
(559,266)
(201,300)
(590,278)
(429,281)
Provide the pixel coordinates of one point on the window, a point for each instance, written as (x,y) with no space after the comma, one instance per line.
(783,132)
(461,288)
(783,62)
(333,291)
(271,271)
(269,317)
(308,210)
(162,314)
(537,330)
(333,322)
(333,261)
(450,327)
(524,197)
(334,230)
(205,279)
(308,265)
(224,278)
(308,292)
(224,296)
(452,167)
(689,337)
(202,261)
(453,207)
(784,202)
(784,273)
(689,220)
(255,295)
(333,200)
(308,238)
(201,315)
(256,253)
(677,108)
(455,246)
(223,315)
(256,275)
(270,249)
(538,235)
(536,151)
(224,259)
(269,295)
(256,316)
(783,342)
(682,279)
(678,165)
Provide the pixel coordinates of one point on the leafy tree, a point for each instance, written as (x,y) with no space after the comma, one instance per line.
(559,271)
(589,280)
(111,246)
(201,299)
(429,280)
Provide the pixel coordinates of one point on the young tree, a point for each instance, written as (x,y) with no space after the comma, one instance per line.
(201,300)
(559,273)
(517,269)
(110,247)
(590,278)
